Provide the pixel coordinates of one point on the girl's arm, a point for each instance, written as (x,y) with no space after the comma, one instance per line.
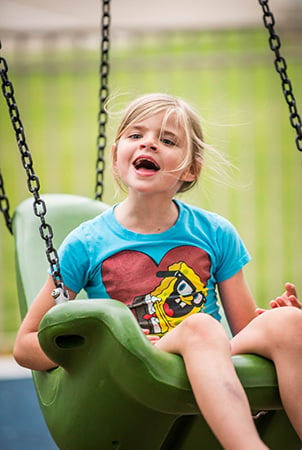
(27,350)
(237,301)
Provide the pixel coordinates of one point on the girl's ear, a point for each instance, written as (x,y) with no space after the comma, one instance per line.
(113,154)
(192,172)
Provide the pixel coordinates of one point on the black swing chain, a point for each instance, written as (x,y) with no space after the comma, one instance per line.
(103,96)
(4,206)
(281,68)
(33,183)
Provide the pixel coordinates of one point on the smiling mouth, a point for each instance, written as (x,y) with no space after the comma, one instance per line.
(175,307)
(145,163)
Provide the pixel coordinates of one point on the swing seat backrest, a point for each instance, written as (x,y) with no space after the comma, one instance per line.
(65,212)
(113,389)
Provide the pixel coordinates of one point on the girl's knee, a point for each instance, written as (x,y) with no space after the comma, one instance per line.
(288,322)
(200,323)
(285,320)
(202,330)
(274,330)
(282,327)
(196,331)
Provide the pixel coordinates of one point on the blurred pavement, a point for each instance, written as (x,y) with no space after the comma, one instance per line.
(22,426)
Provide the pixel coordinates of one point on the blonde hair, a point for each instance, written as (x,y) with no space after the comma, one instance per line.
(187,120)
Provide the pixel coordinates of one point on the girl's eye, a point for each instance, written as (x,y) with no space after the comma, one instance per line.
(167,141)
(135,136)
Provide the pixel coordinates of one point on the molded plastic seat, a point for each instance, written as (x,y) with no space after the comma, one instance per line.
(113,389)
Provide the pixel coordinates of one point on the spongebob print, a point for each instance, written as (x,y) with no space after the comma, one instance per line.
(179,294)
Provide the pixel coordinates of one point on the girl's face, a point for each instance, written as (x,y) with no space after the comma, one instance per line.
(148,156)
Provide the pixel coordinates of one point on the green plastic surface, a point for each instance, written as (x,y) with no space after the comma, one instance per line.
(113,389)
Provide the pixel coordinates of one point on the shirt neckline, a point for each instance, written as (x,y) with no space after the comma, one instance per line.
(120,229)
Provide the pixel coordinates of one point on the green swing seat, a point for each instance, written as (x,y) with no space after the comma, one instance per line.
(113,389)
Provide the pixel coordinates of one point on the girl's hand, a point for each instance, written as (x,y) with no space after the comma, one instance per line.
(152,338)
(288,298)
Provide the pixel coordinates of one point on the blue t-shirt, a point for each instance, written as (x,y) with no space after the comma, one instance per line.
(162,277)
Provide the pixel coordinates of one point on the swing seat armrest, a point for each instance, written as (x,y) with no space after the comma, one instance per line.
(101,338)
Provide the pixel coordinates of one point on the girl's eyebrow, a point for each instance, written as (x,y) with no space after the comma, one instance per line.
(136,128)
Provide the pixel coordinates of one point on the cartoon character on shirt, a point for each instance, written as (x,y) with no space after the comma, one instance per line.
(179,294)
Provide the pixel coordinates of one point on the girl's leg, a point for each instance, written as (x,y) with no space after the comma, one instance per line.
(277,335)
(205,348)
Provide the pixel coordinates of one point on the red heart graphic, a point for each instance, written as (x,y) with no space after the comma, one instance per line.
(129,274)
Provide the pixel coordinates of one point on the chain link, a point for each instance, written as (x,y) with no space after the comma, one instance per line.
(4,206)
(33,182)
(281,68)
(103,96)
(4,202)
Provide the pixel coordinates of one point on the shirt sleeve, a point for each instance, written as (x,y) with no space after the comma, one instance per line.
(232,253)
(74,261)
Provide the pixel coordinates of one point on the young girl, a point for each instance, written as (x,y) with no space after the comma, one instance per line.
(164,259)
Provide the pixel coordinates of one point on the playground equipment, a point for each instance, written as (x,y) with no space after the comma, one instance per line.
(113,389)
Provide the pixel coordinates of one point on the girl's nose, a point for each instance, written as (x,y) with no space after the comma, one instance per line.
(148,145)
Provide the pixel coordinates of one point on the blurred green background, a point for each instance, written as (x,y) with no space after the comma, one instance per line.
(228,75)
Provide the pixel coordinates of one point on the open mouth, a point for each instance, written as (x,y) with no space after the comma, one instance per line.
(146,164)
(175,307)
